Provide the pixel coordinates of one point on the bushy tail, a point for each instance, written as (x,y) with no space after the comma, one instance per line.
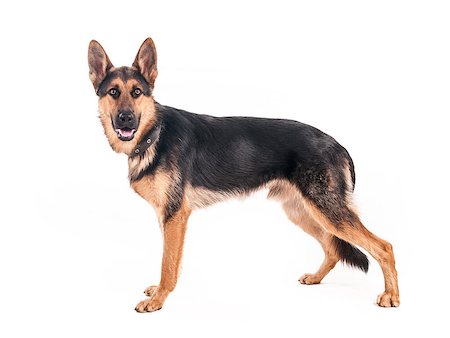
(350,255)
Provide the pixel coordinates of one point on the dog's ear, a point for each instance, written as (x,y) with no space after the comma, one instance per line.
(99,63)
(145,61)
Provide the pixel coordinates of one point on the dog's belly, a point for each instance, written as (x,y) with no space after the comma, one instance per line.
(200,197)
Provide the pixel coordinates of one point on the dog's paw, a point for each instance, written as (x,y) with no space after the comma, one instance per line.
(309,279)
(388,299)
(150,291)
(149,305)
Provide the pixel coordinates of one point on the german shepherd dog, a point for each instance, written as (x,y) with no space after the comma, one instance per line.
(180,161)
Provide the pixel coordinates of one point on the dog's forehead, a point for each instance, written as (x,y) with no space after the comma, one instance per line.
(126,75)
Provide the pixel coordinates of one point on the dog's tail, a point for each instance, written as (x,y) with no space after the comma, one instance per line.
(350,255)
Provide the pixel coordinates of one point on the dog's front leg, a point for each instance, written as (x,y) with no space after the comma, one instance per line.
(174,229)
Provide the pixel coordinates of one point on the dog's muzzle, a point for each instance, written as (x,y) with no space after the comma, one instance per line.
(125,125)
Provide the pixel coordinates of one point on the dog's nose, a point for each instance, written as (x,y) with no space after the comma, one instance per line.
(126,117)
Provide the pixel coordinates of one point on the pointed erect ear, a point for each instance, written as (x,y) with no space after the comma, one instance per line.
(99,63)
(145,61)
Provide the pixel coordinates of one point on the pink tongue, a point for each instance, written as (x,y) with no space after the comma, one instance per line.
(126,133)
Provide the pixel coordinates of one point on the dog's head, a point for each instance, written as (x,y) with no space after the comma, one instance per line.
(126,106)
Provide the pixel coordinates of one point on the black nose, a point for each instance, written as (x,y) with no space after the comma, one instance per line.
(126,117)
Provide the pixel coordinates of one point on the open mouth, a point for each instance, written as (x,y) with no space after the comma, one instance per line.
(125,134)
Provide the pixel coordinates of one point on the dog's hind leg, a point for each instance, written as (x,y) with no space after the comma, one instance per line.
(298,215)
(337,218)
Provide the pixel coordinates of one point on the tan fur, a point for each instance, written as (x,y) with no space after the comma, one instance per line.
(311,220)
(154,189)
(348,181)
(146,61)
(197,197)
(292,201)
(348,176)
(298,215)
(174,232)
(282,190)
(138,163)
(356,234)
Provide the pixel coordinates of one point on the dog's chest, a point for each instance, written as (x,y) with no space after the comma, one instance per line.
(154,188)
(138,164)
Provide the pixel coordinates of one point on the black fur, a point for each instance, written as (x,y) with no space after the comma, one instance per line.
(239,154)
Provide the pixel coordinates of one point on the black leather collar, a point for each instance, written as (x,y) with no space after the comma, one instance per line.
(150,138)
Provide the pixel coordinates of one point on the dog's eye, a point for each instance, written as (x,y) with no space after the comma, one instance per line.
(136,92)
(113,92)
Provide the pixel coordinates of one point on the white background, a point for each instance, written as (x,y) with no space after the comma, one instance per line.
(78,246)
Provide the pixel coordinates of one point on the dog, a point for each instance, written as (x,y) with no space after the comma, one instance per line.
(180,161)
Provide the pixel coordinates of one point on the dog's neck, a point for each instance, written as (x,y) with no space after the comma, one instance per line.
(144,153)
(151,137)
